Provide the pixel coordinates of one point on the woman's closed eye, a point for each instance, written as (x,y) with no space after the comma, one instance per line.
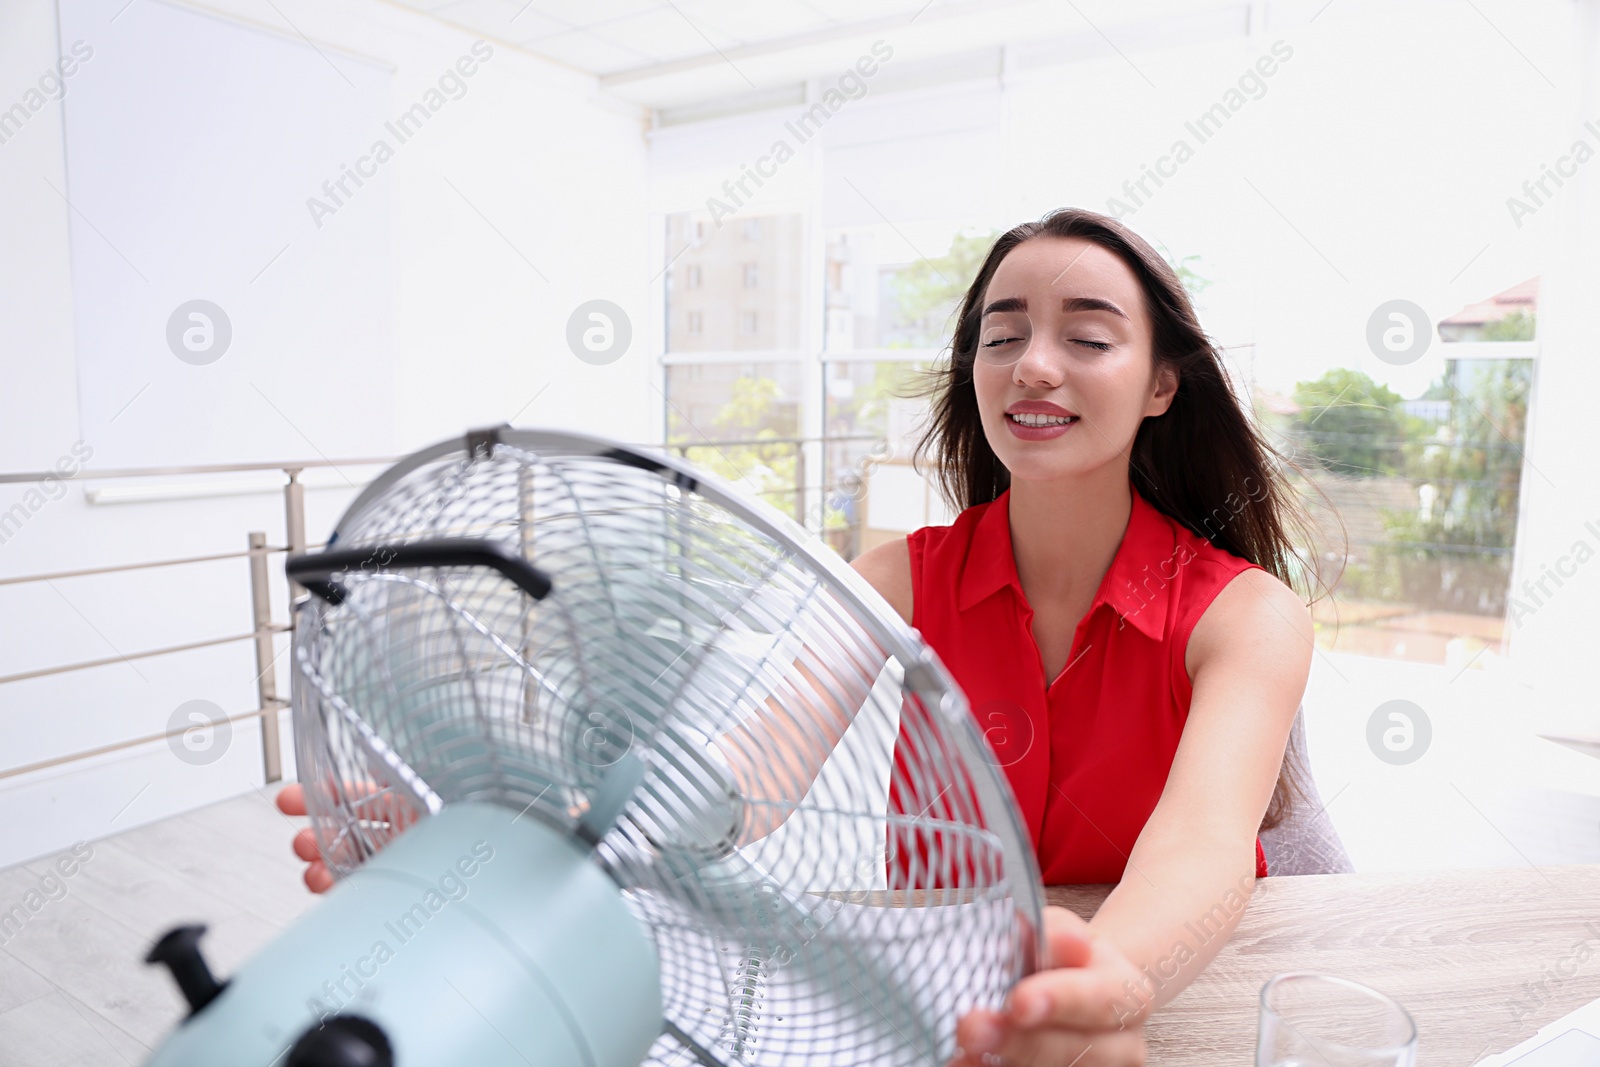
(1098,346)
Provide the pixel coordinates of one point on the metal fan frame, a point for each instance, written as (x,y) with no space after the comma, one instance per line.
(924,675)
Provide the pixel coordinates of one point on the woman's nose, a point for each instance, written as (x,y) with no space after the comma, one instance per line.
(1041,363)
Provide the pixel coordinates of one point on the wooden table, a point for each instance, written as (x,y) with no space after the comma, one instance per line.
(1464,951)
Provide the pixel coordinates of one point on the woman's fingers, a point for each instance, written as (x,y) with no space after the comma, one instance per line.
(1057,1048)
(1080,1010)
(305,845)
(1066,937)
(291,800)
(980,1032)
(1078,998)
(368,799)
(1090,984)
(371,801)
(318,878)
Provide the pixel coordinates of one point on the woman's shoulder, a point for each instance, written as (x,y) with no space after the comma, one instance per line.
(890,567)
(887,568)
(1254,617)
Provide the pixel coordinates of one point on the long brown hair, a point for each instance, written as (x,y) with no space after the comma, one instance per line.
(1202,463)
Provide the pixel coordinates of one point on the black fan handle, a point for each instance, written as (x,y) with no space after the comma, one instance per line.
(179,949)
(317,570)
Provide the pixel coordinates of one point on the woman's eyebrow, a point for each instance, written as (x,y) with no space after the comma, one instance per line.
(1071,303)
(1090,303)
(1007,303)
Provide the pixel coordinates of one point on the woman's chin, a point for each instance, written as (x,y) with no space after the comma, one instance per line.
(1036,468)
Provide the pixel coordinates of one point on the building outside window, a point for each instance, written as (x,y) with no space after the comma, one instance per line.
(733,360)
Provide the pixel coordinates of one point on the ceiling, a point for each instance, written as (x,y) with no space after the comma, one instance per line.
(666,54)
(611,36)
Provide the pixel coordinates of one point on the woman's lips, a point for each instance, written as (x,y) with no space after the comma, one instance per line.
(1038,433)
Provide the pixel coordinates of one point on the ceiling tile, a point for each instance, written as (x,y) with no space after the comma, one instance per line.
(745,21)
(580,13)
(860,10)
(666,33)
(527,24)
(503,19)
(587,51)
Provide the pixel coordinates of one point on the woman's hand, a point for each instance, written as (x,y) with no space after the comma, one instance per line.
(383,814)
(292,801)
(1077,1013)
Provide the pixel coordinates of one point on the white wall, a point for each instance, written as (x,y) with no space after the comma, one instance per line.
(1554,628)
(38,401)
(550,178)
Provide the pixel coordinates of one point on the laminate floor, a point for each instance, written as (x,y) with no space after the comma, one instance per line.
(74,990)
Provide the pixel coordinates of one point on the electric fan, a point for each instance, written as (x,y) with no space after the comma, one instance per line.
(615,766)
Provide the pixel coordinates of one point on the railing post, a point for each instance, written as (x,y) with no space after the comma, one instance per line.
(800,487)
(294,524)
(266,676)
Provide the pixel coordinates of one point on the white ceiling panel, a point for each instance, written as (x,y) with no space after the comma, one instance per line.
(749,22)
(588,50)
(665,33)
(504,20)
(854,10)
(681,53)
(599,12)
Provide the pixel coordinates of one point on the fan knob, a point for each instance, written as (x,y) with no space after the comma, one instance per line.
(179,951)
(343,1041)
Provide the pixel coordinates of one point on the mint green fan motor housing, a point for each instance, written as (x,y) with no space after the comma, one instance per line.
(473,914)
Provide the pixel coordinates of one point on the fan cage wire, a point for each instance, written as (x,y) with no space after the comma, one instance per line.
(675,619)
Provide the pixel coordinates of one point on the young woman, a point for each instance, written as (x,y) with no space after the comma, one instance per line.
(1113,601)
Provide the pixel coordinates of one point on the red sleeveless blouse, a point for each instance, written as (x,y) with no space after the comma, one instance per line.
(1088,754)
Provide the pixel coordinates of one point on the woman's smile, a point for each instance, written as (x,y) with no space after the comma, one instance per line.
(1039,427)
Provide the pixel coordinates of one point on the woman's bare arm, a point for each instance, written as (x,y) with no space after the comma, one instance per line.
(777,754)
(1192,869)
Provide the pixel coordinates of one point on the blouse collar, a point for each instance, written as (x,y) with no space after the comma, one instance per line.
(1135,585)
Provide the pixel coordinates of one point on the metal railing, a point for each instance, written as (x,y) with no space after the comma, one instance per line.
(263,628)
(258,551)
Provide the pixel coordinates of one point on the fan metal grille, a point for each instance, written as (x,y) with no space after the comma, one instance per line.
(781,778)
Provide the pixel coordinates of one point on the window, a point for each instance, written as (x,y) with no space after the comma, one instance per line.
(867,416)
(732,363)
(887,316)
(752,229)
(1425,492)
(741,421)
(880,293)
(742,311)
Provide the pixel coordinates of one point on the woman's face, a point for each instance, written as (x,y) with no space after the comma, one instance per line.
(1065,331)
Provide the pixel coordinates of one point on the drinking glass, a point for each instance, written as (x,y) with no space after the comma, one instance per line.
(1317,1020)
